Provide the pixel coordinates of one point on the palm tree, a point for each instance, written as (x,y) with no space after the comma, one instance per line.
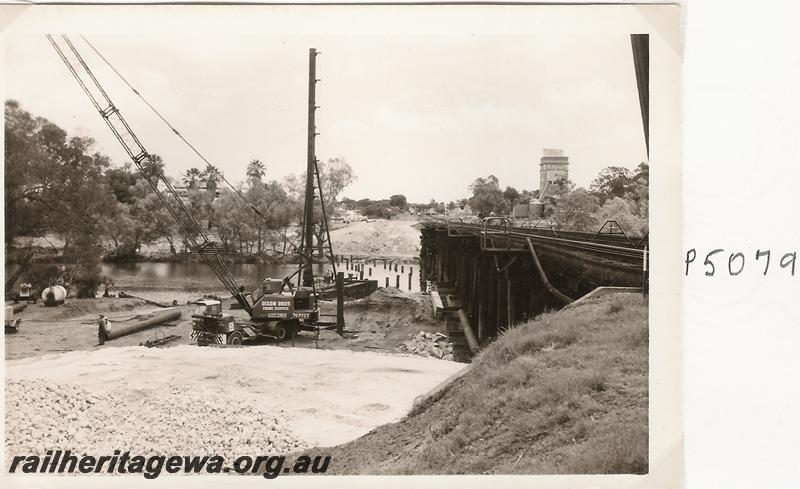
(256,170)
(210,175)
(191,177)
(154,166)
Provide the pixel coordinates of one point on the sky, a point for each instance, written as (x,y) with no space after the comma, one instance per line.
(417,115)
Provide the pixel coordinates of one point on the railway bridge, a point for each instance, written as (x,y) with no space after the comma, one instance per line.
(494,274)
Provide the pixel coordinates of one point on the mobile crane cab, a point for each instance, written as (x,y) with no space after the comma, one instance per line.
(209,325)
(277,312)
(280,311)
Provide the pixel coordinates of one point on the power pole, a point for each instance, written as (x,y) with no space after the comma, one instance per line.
(307,248)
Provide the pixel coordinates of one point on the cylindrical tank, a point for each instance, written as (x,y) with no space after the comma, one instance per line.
(536,209)
(59,294)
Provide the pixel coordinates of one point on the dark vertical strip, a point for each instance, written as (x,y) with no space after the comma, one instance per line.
(641,62)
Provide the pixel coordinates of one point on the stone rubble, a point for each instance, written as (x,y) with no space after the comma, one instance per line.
(430,345)
(43,415)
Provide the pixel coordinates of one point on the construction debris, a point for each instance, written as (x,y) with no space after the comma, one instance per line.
(160,341)
(42,414)
(430,345)
(124,295)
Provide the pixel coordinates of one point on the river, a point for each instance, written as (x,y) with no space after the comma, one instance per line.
(184,281)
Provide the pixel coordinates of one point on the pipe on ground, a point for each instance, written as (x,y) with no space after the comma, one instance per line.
(143,322)
(563,297)
(472,342)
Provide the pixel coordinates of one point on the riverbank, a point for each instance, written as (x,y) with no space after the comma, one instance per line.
(565,394)
(395,240)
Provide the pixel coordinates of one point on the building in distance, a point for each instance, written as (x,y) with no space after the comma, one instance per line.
(554,166)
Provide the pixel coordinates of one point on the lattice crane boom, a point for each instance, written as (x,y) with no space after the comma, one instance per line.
(147,165)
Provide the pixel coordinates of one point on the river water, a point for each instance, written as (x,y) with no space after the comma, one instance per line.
(166,282)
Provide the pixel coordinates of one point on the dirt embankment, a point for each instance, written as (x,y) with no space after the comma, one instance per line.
(565,394)
(382,321)
(380,238)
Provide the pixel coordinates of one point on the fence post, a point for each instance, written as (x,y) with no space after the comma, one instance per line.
(340,303)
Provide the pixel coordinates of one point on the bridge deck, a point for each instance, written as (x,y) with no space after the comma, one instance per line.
(610,250)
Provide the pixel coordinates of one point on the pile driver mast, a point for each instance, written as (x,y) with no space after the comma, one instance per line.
(313,189)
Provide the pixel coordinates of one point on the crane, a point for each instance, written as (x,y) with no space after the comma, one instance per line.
(272,312)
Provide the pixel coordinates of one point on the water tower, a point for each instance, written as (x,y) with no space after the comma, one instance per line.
(553,167)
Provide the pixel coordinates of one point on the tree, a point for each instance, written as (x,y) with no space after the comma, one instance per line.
(240,228)
(553,195)
(398,201)
(294,187)
(576,210)
(121,180)
(256,170)
(153,167)
(620,210)
(25,173)
(191,177)
(639,192)
(613,181)
(511,195)
(209,178)
(335,175)
(228,208)
(125,232)
(487,197)
(56,182)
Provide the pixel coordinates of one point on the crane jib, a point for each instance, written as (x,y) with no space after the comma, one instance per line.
(149,168)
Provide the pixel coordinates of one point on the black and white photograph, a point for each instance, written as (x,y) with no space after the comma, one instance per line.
(269,242)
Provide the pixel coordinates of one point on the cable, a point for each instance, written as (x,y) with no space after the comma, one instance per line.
(190,145)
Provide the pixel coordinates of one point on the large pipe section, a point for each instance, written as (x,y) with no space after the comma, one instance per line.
(142,322)
(563,297)
(472,342)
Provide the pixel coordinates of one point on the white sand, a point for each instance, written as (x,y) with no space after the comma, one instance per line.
(329,396)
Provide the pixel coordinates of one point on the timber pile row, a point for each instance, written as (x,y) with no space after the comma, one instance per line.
(42,415)
(430,345)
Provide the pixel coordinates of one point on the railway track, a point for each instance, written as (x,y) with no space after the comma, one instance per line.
(610,250)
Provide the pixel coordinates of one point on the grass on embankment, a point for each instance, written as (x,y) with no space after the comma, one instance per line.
(564,394)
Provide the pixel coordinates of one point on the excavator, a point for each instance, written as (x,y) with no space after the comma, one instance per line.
(275,308)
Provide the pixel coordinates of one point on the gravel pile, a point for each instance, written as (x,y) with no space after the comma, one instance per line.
(430,345)
(42,415)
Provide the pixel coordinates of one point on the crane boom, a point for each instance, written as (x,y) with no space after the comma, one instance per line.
(149,168)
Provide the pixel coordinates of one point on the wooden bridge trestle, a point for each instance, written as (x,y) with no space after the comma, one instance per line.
(502,275)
